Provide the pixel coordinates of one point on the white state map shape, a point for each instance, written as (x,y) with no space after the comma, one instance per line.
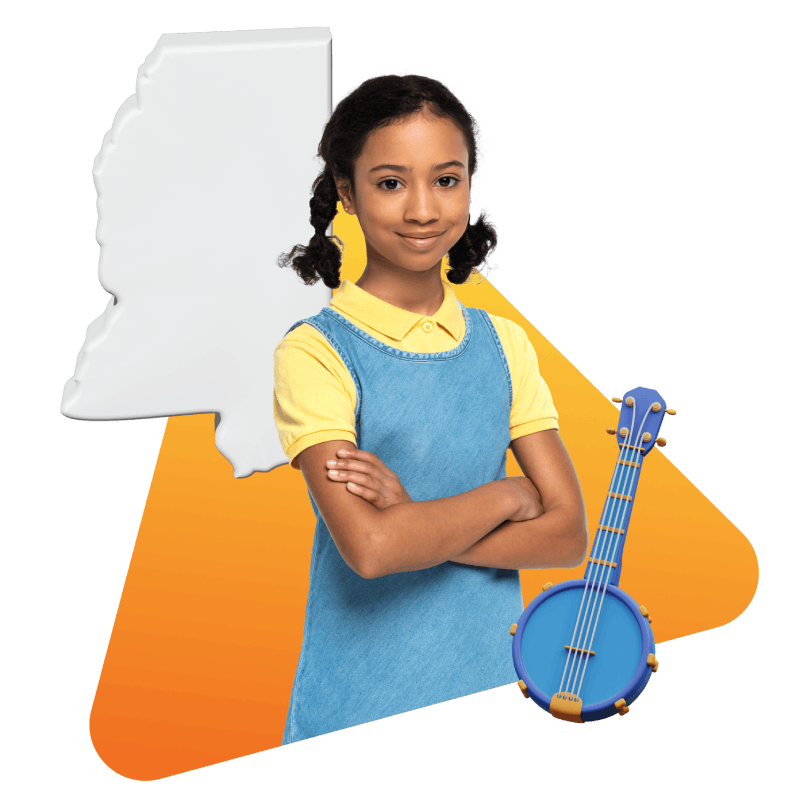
(202,182)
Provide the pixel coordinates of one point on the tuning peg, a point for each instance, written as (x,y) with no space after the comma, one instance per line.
(661,441)
(612,431)
(616,399)
(671,411)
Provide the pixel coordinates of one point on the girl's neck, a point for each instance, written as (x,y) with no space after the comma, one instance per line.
(419,293)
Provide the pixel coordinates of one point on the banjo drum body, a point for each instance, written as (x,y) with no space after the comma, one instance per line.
(616,669)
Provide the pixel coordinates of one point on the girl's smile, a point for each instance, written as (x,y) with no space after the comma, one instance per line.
(420,243)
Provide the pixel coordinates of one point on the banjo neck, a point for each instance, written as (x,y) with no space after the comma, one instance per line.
(640,418)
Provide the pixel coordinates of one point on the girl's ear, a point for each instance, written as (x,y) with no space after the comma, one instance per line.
(345,200)
(344,194)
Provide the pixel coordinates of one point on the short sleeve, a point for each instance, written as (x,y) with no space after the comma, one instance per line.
(532,409)
(314,398)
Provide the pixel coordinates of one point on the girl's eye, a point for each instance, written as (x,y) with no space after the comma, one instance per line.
(455,180)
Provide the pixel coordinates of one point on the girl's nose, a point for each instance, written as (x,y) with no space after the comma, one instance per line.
(422,207)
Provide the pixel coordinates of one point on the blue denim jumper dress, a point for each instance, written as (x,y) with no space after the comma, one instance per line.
(377,647)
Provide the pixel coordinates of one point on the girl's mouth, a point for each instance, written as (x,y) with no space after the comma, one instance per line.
(420,244)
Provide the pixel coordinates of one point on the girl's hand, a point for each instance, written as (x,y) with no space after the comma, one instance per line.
(368,477)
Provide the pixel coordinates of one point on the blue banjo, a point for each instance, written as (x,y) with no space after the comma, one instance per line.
(583,649)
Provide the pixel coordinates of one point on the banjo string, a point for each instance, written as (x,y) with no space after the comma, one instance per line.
(638,440)
(607,551)
(594,567)
(611,516)
(593,572)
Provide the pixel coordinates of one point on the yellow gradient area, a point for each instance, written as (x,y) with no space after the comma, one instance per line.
(205,643)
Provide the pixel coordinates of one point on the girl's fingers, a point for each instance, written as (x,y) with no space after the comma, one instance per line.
(352,452)
(357,482)
(353,466)
(364,458)
(361,479)
(362,491)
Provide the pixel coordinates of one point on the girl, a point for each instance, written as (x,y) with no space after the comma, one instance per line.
(398,404)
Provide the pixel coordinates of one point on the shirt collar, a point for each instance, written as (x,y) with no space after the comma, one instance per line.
(391,321)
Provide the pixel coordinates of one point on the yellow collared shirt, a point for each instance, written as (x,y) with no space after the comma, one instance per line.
(315,398)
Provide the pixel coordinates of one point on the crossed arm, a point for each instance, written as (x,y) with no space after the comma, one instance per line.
(557,538)
(379,530)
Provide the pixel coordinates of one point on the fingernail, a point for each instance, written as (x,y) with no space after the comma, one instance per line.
(331,463)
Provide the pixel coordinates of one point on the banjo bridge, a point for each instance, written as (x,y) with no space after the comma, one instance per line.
(580,650)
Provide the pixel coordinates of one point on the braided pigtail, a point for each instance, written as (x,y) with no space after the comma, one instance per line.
(321,258)
(472,253)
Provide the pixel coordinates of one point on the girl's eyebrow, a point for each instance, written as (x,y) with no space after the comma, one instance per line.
(399,168)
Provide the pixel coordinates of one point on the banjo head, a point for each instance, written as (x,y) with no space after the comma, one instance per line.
(618,644)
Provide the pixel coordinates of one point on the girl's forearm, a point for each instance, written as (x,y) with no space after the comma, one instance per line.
(421,534)
(558,538)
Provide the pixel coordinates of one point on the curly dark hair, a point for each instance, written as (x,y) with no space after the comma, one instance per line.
(376,103)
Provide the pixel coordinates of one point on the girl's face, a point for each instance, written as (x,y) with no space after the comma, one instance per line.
(411,193)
